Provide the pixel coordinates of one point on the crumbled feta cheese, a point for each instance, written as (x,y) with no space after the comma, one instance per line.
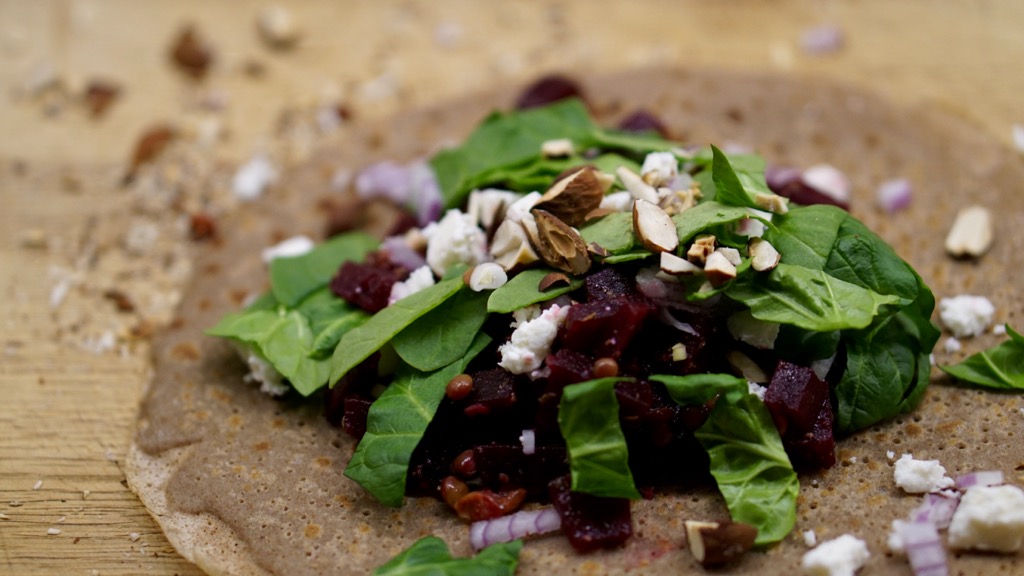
(989,518)
(756,389)
(951,345)
(758,333)
(521,208)
(455,240)
(486,206)
(252,178)
(895,540)
(37,485)
(420,278)
(890,454)
(966,315)
(999,330)
(294,246)
(53,531)
(659,168)
(271,381)
(920,476)
(810,538)
(525,314)
(531,341)
(841,556)
(621,201)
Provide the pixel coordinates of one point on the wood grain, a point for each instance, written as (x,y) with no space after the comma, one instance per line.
(67,413)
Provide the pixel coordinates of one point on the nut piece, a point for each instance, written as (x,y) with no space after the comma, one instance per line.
(676,266)
(772,202)
(763,256)
(559,245)
(701,248)
(971,234)
(277,28)
(717,543)
(731,254)
(511,248)
(559,148)
(654,227)
(487,276)
(552,279)
(636,186)
(573,197)
(718,269)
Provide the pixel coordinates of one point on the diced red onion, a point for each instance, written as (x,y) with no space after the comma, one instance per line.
(384,180)
(667,317)
(828,180)
(650,285)
(924,548)
(822,39)
(937,509)
(778,177)
(529,440)
(401,254)
(426,193)
(508,528)
(894,195)
(985,478)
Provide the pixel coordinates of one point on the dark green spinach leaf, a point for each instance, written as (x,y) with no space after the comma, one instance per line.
(292,279)
(523,290)
(330,317)
(613,232)
(430,556)
(443,335)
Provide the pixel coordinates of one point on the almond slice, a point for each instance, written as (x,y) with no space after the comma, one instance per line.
(763,256)
(559,245)
(574,196)
(636,186)
(971,234)
(654,227)
(676,266)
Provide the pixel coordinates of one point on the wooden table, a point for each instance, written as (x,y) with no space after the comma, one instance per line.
(72,367)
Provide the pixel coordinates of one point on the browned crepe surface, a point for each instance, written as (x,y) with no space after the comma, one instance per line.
(243,483)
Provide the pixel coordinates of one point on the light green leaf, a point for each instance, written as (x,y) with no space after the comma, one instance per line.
(522,290)
(443,335)
(1001,367)
(613,232)
(292,279)
(430,556)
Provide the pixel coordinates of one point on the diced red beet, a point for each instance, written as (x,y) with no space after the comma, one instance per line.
(604,328)
(590,522)
(493,391)
(367,285)
(799,192)
(357,407)
(505,466)
(794,398)
(359,380)
(643,121)
(608,283)
(548,89)
(635,398)
(568,367)
(817,449)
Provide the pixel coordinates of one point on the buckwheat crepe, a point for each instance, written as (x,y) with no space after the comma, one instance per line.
(245,484)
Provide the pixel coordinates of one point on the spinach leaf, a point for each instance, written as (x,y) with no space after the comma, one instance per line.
(430,556)
(283,338)
(396,423)
(292,279)
(330,317)
(357,344)
(699,388)
(522,290)
(737,186)
(807,298)
(639,254)
(1000,367)
(613,232)
(888,365)
(709,214)
(443,335)
(588,416)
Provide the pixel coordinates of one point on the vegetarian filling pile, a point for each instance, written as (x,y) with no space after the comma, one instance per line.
(571,317)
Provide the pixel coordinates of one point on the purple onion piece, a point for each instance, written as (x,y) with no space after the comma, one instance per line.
(937,509)
(984,478)
(823,39)
(401,254)
(426,193)
(924,548)
(778,177)
(518,525)
(386,179)
(666,316)
(895,195)
(529,440)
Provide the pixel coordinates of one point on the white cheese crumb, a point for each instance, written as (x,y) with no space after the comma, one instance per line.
(951,345)
(659,168)
(920,476)
(890,454)
(86,493)
(53,531)
(420,279)
(134,536)
(525,314)
(621,201)
(141,237)
(294,246)
(810,538)
(999,330)
(966,315)
(4,516)
(455,240)
(61,519)
(531,341)
(252,178)
(757,390)
(37,485)
(841,556)
(989,518)
(271,381)
(895,541)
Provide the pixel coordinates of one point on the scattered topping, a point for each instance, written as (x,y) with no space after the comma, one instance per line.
(277,27)
(253,178)
(459,387)
(989,518)
(937,508)
(719,269)
(514,526)
(654,228)
(134,536)
(531,341)
(828,180)
(202,227)
(920,476)
(894,195)
(553,279)
(560,245)
(701,248)
(454,240)
(294,246)
(810,538)
(150,145)
(528,440)
(983,478)
(951,345)
(487,504)
(191,54)
(922,545)
(758,333)
(763,256)
(53,532)
(487,276)
(659,169)
(842,556)
(511,247)
(676,266)
(420,278)
(572,197)
(717,543)
(824,39)
(546,90)
(99,96)
(772,202)
(971,233)
(37,485)
(262,372)
(966,316)
(560,148)
(636,186)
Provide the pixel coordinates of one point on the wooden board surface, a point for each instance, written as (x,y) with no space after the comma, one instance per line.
(72,366)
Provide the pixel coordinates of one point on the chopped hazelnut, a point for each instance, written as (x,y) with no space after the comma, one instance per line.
(717,543)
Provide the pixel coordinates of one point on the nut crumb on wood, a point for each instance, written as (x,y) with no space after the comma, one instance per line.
(53,531)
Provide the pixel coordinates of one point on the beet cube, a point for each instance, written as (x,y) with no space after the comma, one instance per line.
(608,283)
(590,522)
(604,328)
(505,466)
(366,285)
(816,449)
(798,191)
(568,367)
(493,391)
(548,89)
(635,398)
(643,121)
(794,398)
(357,407)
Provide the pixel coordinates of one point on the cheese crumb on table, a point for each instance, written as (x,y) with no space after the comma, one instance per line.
(989,518)
(920,476)
(841,556)
(966,315)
